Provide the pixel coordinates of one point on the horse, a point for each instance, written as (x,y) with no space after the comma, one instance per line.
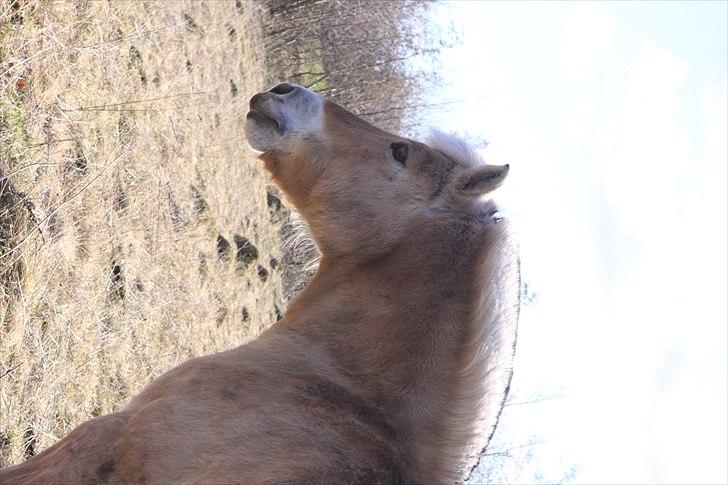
(391,366)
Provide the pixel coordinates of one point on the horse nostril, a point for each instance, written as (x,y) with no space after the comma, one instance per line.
(283,88)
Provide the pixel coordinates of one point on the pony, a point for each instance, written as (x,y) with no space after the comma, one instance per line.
(391,366)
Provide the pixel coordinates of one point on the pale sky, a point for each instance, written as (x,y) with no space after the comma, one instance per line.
(614,118)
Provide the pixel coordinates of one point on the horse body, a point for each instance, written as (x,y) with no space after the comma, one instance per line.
(390,367)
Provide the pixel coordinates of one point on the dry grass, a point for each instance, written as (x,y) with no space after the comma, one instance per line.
(124,186)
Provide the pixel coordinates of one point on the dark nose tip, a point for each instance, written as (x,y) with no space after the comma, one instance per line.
(283,88)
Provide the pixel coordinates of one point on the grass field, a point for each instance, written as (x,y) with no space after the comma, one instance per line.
(136,229)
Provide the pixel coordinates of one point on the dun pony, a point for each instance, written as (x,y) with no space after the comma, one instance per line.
(390,367)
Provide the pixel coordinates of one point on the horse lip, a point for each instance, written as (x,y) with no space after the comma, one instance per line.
(258,112)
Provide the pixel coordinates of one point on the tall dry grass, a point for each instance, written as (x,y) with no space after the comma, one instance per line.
(136,231)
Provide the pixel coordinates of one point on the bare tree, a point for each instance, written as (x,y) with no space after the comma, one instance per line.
(369,56)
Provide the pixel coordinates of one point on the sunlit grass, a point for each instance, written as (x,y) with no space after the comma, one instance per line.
(125,186)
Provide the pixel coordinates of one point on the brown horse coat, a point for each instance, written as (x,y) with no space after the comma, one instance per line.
(392,365)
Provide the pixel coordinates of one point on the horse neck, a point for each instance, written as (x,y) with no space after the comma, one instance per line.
(418,289)
(405,328)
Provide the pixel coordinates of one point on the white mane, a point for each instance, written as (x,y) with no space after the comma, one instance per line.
(454,147)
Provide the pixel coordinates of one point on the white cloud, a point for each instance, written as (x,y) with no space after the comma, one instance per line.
(688,423)
(644,151)
(663,162)
(588,37)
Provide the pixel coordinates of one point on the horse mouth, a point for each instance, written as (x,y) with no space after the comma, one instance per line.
(262,130)
(261,117)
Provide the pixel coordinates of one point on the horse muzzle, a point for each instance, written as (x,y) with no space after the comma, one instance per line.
(281,114)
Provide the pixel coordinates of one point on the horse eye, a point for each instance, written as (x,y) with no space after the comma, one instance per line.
(399,152)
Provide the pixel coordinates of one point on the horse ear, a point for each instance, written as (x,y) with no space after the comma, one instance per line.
(482,180)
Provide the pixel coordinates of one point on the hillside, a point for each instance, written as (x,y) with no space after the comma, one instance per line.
(136,229)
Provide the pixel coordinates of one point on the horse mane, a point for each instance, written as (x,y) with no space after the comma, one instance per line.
(455,147)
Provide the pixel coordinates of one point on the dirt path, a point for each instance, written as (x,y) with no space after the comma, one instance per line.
(136,230)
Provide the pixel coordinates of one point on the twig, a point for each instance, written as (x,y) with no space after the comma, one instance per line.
(11,369)
(37,145)
(65,201)
(103,107)
(20,62)
(534,401)
(125,37)
(19,169)
(117,110)
(507,451)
